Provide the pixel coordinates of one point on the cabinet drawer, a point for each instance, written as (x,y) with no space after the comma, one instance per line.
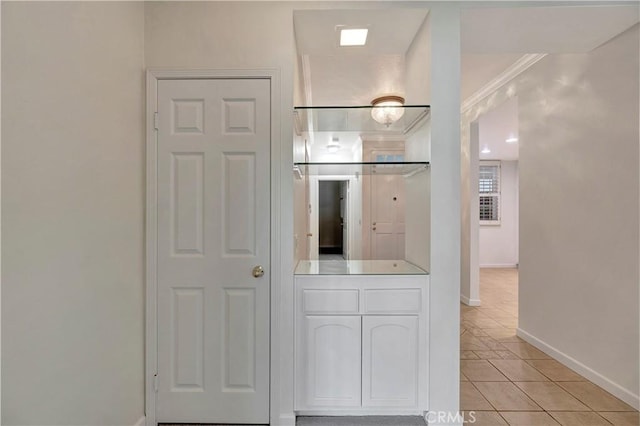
(330,301)
(396,301)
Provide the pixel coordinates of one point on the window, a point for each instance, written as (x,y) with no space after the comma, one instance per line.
(489,190)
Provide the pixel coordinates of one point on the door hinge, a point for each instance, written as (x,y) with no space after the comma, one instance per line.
(155,382)
(155,120)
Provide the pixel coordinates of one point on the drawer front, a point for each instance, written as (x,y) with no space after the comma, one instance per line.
(396,301)
(330,301)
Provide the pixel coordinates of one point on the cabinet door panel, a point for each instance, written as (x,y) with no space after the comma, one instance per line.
(389,361)
(333,348)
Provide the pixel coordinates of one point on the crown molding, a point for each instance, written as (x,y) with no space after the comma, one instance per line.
(503,78)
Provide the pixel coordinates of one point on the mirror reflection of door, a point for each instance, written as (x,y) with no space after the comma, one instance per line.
(332,228)
(387,210)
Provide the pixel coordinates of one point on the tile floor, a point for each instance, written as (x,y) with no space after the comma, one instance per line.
(506,381)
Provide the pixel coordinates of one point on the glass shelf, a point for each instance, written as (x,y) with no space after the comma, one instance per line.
(350,169)
(355,119)
(357,267)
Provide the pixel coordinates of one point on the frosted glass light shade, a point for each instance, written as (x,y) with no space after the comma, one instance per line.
(387,109)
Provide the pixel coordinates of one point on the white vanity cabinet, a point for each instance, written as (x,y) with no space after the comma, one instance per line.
(361,338)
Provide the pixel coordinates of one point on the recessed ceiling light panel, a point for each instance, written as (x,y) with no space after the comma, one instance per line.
(511,140)
(486,150)
(353,36)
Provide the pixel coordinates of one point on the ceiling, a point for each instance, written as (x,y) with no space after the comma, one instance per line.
(335,75)
(570,29)
(495,127)
(492,39)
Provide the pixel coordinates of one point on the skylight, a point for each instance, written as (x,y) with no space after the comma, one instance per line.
(353,37)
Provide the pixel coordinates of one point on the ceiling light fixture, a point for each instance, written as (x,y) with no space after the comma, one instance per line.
(486,150)
(333,146)
(353,36)
(511,140)
(387,109)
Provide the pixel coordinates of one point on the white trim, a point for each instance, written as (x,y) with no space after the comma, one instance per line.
(361,412)
(141,421)
(469,302)
(287,420)
(609,385)
(151,330)
(501,79)
(0,229)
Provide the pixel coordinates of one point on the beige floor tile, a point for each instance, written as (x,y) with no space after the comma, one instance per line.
(506,396)
(484,322)
(468,355)
(551,397)
(579,418)
(472,343)
(503,334)
(481,371)
(595,397)
(555,371)
(507,322)
(621,418)
(525,350)
(463,378)
(478,332)
(507,355)
(473,314)
(494,313)
(487,355)
(483,418)
(518,370)
(527,418)
(492,344)
(466,308)
(471,398)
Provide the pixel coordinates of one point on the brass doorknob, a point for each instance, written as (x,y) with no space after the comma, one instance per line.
(258,271)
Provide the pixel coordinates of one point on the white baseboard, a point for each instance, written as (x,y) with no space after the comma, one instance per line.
(141,421)
(361,412)
(500,265)
(470,302)
(287,420)
(590,374)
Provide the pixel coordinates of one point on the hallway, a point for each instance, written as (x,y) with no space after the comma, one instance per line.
(505,380)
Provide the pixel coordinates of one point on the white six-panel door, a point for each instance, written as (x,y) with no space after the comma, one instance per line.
(213,230)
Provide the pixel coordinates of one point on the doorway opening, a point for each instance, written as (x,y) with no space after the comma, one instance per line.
(333,238)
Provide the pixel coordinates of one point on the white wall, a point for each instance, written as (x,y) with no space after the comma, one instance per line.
(470,226)
(579,186)
(72,213)
(498,246)
(444,291)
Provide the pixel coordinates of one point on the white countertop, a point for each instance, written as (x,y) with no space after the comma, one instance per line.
(357,267)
